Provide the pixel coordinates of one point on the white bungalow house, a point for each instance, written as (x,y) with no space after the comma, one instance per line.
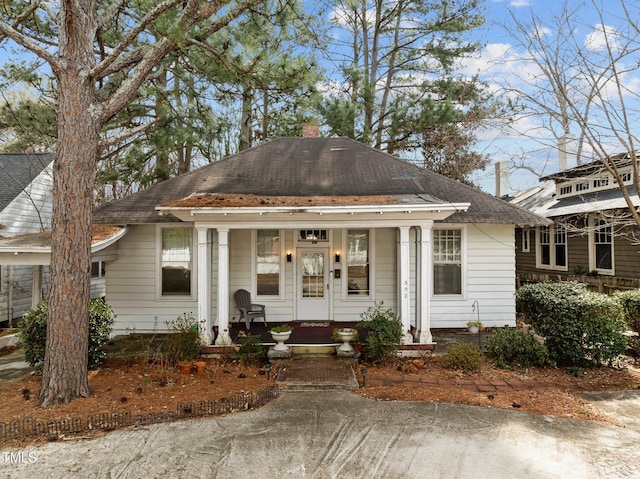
(317,229)
(25,207)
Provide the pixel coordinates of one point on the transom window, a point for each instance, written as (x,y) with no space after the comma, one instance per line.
(176,261)
(268,262)
(358,257)
(313,235)
(447,261)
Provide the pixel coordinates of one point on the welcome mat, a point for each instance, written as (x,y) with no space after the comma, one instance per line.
(315,324)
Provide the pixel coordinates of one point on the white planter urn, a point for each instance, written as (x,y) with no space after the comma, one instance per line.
(280,338)
(346,335)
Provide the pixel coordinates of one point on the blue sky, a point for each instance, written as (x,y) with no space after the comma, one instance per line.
(500,144)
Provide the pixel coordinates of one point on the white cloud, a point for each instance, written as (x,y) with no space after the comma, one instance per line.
(520,3)
(602,38)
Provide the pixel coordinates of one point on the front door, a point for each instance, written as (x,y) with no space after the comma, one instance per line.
(313,284)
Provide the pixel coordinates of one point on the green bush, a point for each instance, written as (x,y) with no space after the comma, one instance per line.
(630,302)
(464,356)
(383,333)
(33,329)
(183,341)
(249,348)
(515,347)
(580,328)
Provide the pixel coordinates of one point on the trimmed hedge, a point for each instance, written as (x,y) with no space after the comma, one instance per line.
(515,347)
(580,328)
(33,329)
(630,302)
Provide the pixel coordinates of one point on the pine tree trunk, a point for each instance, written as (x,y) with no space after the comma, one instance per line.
(64,375)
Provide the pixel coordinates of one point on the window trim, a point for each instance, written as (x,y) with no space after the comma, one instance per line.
(592,247)
(463,263)
(254,267)
(552,250)
(344,267)
(194,264)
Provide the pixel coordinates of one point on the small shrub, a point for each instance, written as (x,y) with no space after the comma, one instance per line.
(581,328)
(384,333)
(630,302)
(183,341)
(463,356)
(33,329)
(515,347)
(249,348)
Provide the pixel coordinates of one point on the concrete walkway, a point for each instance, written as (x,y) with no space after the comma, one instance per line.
(337,434)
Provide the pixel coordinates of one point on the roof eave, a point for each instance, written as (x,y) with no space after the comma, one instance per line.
(320,210)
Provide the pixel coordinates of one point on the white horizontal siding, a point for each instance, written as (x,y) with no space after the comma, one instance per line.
(489,275)
(490,280)
(131,286)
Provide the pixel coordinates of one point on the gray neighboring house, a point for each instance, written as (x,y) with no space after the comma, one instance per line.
(587,241)
(26,182)
(317,229)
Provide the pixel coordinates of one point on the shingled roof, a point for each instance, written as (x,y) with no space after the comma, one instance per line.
(300,168)
(17,171)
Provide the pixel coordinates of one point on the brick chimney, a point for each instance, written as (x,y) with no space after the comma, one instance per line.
(310,130)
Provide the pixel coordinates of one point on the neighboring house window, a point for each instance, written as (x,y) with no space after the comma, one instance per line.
(626,177)
(268,262)
(602,250)
(176,261)
(526,237)
(584,186)
(566,190)
(560,246)
(544,246)
(447,262)
(601,182)
(552,247)
(358,255)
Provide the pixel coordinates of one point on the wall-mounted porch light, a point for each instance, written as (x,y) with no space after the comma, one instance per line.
(337,256)
(289,256)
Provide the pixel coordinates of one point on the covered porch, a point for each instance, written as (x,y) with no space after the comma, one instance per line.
(316,263)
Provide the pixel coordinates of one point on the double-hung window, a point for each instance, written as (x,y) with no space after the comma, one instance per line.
(358,262)
(176,261)
(268,262)
(601,254)
(447,262)
(552,247)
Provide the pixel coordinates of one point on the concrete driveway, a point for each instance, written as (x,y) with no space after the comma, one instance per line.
(331,434)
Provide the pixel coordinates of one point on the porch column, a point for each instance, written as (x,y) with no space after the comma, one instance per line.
(204,283)
(404,299)
(223,339)
(36,286)
(425,281)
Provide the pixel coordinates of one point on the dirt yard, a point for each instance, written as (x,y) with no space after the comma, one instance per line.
(143,388)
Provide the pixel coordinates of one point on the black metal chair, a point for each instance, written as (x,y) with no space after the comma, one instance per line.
(248,310)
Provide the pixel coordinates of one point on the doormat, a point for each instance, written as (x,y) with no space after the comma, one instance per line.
(314,324)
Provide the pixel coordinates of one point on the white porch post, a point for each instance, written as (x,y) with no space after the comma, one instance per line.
(36,287)
(425,281)
(223,339)
(404,300)
(204,282)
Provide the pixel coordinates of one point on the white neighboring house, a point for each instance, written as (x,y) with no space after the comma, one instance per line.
(317,229)
(25,207)
(26,186)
